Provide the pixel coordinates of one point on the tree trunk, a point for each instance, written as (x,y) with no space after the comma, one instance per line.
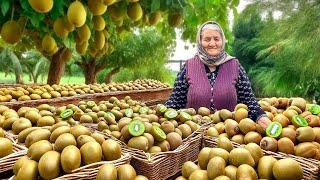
(108,77)
(57,66)
(89,72)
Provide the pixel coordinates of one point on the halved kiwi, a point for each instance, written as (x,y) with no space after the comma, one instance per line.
(274,129)
(158,133)
(171,114)
(128,112)
(184,116)
(143,110)
(65,114)
(315,109)
(299,121)
(136,128)
(160,109)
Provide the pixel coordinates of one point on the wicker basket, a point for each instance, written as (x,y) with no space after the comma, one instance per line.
(310,167)
(165,164)
(7,162)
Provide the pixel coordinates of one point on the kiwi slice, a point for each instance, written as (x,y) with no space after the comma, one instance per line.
(136,128)
(274,129)
(315,109)
(171,114)
(128,112)
(158,133)
(65,114)
(161,108)
(299,121)
(184,116)
(90,104)
(143,110)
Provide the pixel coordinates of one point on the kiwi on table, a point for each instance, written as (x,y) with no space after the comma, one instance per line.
(274,129)
(136,128)
(158,133)
(65,114)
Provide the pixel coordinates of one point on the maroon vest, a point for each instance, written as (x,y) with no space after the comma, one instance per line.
(222,94)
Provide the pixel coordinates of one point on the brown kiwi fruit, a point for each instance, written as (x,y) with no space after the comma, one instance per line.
(216,167)
(212,132)
(255,151)
(224,143)
(285,145)
(199,175)
(140,142)
(231,172)
(289,133)
(245,171)
(150,139)
(203,157)
(240,114)
(154,149)
(185,129)
(240,156)
(287,169)
(174,139)
(316,131)
(239,138)
(215,118)
(313,120)
(282,119)
(246,125)
(269,144)
(306,149)
(187,168)
(220,127)
(265,166)
(225,114)
(231,127)
(167,127)
(164,145)
(219,152)
(252,137)
(305,134)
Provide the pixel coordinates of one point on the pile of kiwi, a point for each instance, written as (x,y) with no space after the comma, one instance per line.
(123,172)
(5,144)
(151,130)
(62,149)
(36,92)
(298,132)
(239,163)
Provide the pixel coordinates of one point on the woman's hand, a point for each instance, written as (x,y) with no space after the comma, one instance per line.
(264,122)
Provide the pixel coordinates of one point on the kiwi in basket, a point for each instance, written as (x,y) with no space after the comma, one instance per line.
(65,114)
(136,128)
(158,133)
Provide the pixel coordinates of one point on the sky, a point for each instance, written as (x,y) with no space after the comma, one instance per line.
(181,53)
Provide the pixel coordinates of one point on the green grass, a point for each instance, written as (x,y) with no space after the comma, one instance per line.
(10,78)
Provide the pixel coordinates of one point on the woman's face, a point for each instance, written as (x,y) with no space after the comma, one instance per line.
(211,42)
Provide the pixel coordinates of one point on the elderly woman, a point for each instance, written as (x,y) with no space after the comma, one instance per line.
(214,79)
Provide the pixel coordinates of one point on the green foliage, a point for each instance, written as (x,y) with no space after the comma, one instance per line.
(288,57)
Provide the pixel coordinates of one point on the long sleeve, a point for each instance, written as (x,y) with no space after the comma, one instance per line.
(178,98)
(246,96)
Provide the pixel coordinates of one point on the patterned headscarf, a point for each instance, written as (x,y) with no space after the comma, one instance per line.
(222,57)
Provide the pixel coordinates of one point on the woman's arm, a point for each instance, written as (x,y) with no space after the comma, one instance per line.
(178,98)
